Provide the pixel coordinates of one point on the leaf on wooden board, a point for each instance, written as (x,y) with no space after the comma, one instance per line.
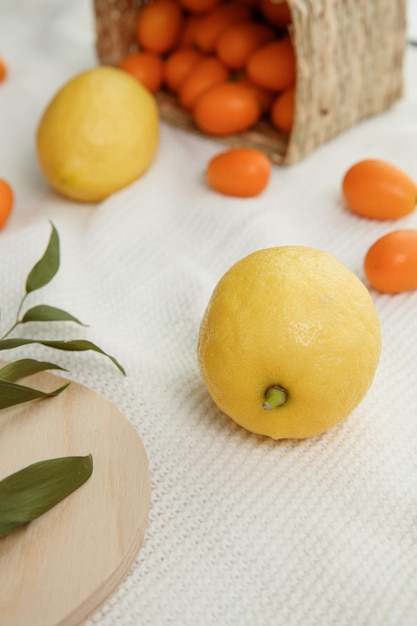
(33,490)
(12,393)
(46,313)
(26,367)
(46,268)
(71,345)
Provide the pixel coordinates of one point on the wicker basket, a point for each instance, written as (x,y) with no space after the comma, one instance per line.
(349,67)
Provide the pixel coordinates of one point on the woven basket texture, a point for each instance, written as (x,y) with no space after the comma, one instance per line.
(350,56)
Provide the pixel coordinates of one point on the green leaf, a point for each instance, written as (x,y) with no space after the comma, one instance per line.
(46,313)
(12,393)
(46,268)
(30,492)
(26,367)
(71,345)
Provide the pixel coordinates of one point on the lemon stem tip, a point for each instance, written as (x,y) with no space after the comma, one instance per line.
(275,396)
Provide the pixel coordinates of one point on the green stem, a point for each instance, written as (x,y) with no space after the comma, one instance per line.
(18,321)
(275,396)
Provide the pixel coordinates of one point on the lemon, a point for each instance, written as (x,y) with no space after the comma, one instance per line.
(98,134)
(289,343)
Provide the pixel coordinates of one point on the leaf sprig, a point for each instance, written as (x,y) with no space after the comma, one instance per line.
(33,490)
(30,492)
(11,393)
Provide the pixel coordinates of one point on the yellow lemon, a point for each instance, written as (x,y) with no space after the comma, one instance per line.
(98,134)
(289,343)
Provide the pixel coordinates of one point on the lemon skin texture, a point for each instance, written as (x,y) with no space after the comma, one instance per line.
(98,134)
(295,317)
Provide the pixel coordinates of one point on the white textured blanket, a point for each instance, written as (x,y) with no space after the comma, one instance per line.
(243,531)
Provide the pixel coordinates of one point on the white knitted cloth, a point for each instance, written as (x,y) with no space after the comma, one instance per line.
(243,531)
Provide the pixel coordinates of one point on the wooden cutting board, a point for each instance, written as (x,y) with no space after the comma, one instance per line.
(61,567)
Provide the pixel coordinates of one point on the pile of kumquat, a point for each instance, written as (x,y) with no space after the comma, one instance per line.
(228,63)
(6,191)
(375,189)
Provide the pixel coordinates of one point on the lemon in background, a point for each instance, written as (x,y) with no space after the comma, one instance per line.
(289,343)
(98,134)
